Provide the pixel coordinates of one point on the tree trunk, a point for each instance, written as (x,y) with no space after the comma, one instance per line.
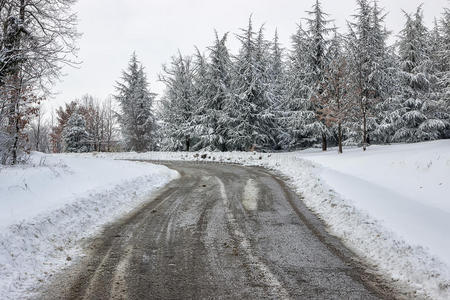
(17,85)
(364,141)
(38,138)
(324,142)
(340,137)
(188,144)
(16,137)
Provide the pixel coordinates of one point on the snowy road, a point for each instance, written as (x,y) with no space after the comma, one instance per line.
(219,231)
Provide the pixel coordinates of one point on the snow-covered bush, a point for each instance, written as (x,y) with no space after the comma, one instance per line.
(75,136)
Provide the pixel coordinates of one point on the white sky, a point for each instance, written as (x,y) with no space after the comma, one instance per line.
(156,29)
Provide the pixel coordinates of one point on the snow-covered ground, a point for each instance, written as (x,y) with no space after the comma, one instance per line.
(48,206)
(405,191)
(390,204)
(406,187)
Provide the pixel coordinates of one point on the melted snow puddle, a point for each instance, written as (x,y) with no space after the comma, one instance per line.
(250,196)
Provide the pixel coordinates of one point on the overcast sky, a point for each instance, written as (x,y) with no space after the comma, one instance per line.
(156,29)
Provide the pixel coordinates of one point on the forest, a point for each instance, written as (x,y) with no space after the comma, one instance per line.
(333,87)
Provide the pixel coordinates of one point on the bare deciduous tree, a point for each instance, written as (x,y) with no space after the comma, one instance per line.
(37,39)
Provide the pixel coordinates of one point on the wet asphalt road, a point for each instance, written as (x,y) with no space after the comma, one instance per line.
(218,232)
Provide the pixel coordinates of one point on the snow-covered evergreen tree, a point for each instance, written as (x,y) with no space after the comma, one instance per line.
(444,75)
(277,72)
(380,78)
(295,114)
(418,110)
(318,35)
(370,67)
(179,105)
(136,101)
(277,91)
(383,80)
(215,92)
(201,84)
(249,109)
(267,84)
(75,136)
(435,46)
(306,69)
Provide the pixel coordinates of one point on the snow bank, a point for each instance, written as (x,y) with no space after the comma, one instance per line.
(390,204)
(404,190)
(47,207)
(405,187)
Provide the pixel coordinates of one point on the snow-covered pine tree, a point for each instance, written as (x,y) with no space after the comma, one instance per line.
(267,85)
(370,65)
(444,76)
(417,109)
(215,95)
(277,90)
(62,117)
(201,90)
(439,68)
(75,136)
(318,32)
(179,105)
(383,80)
(136,118)
(359,49)
(379,77)
(277,71)
(435,46)
(250,118)
(295,115)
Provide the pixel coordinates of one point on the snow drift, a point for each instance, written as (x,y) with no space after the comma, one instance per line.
(47,207)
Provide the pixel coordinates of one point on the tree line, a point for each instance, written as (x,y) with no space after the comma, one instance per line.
(329,88)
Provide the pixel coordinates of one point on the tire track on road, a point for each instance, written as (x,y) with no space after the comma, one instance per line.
(276,288)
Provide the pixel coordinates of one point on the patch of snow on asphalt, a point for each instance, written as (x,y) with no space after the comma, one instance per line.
(390,204)
(46,208)
(276,288)
(250,196)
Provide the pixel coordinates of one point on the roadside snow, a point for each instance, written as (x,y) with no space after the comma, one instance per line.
(390,204)
(47,207)
(405,187)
